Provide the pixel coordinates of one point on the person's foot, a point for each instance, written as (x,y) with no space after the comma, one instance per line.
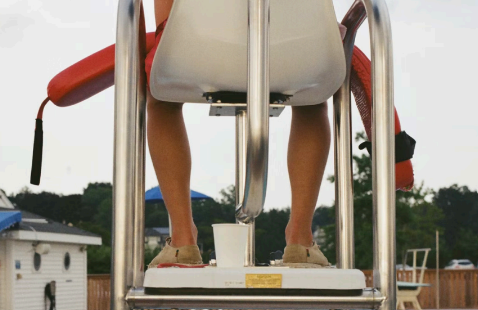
(299,256)
(301,251)
(184,255)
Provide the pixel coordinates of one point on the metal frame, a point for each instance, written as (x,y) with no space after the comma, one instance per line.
(257,150)
(128,179)
(252,135)
(129,150)
(383,149)
(370,299)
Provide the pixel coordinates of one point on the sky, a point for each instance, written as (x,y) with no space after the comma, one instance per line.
(435,69)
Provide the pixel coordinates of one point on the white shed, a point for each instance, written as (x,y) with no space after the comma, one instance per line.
(35,251)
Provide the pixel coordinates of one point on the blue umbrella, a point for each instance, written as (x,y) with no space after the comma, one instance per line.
(154,195)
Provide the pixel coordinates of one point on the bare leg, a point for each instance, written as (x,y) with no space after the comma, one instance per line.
(171,156)
(309,145)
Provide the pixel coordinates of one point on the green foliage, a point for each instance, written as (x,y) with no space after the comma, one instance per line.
(460,208)
(63,209)
(94,196)
(156,215)
(104,214)
(98,229)
(270,235)
(322,217)
(99,259)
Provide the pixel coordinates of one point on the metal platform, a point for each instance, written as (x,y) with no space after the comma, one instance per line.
(258,278)
(368,299)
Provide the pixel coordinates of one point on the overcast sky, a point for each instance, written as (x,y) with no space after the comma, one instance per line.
(435,43)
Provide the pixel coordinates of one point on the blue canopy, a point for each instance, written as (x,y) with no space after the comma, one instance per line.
(9,218)
(154,195)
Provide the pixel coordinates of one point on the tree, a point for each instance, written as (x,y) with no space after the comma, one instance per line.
(104,214)
(156,215)
(270,233)
(63,209)
(93,195)
(99,259)
(460,208)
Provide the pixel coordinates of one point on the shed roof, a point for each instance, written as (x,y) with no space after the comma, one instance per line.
(156,231)
(9,219)
(39,224)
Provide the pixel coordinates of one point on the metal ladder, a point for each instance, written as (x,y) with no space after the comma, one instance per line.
(129,157)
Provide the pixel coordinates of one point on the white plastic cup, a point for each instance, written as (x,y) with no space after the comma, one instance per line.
(230,242)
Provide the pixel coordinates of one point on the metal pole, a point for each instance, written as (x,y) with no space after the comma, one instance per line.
(438,270)
(344,202)
(383,138)
(383,151)
(127,96)
(140,150)
(258,111)
(369,299)
(345,246)
(241,148)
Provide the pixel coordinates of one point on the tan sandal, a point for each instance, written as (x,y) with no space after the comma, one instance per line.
(299,256)
(185,255)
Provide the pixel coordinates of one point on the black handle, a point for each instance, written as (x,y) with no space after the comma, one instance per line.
(37,153)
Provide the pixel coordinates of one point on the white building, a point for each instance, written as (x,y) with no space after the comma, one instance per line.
(35,251)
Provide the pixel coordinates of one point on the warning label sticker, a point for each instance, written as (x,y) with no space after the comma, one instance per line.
(263,281)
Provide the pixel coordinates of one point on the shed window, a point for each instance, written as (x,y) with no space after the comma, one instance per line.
(36,261)
(67,261)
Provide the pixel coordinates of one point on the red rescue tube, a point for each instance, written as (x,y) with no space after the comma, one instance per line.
(361,85)
(87,77)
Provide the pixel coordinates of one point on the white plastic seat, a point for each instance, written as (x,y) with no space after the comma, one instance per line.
(204,49)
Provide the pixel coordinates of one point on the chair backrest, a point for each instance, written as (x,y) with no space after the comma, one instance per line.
(204,49)
(415,267)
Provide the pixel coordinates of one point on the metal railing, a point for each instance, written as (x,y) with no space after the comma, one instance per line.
(257,139)
(129,150)
(128,180)
(370,299)
(383,149)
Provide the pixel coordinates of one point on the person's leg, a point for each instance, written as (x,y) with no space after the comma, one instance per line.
(309,145)
(170,153)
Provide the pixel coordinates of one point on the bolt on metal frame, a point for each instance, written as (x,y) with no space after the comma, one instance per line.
(129,150)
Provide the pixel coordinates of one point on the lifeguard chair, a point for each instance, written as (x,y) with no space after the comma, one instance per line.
(249,59)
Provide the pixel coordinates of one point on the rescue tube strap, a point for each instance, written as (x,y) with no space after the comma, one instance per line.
(404,147)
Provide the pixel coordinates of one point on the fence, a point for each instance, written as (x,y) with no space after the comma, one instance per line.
(99,292)
(458,289)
